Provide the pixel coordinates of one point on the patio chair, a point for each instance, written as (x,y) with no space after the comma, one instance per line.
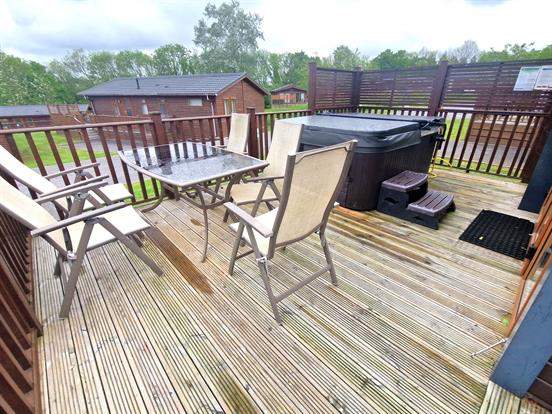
(266,187)
(312,182)
(85,231)
(104,194)
(238,135)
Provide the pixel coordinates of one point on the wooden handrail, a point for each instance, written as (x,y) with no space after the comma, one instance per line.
(70,127)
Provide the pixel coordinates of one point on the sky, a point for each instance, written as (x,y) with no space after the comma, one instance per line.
(46,29)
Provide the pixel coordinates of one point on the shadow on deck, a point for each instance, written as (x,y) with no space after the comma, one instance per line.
(395,336)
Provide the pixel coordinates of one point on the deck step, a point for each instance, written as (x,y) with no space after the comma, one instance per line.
(405,181)
(434,203)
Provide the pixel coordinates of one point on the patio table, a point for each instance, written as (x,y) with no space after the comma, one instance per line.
(189,168)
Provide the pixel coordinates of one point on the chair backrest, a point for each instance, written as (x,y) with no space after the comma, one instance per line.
(25,175)
(312,183)
(285,141)
(239,132)
(28,212)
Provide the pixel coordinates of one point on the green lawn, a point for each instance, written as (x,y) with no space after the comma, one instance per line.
(281,108)
(45,150)
(137,189)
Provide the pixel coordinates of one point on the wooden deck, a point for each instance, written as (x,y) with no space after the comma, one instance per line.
(394,337)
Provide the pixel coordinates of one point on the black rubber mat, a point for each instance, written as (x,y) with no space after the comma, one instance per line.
(500,233)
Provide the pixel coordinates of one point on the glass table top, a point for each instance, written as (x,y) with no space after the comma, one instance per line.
(187,163)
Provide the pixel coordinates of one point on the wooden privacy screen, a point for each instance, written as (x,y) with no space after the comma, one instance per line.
(491,128)
(491,86)
(397,88)
(534,269)
(19,374)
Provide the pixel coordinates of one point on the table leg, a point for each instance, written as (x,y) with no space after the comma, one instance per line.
(205,221)
(159,200)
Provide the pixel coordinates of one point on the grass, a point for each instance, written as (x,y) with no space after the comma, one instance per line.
(280,108)
(45,151)
(137,189)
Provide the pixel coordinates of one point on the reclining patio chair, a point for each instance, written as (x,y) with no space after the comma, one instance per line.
(267,187)
(311,185)
(104,194)
(74,236)
(238,135)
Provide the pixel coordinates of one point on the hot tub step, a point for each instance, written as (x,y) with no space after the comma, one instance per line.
(429,209)
(434,203)
(402,189)
(405,181)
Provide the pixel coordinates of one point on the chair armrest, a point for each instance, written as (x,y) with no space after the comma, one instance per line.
(65,192)
(72,170)
(248,219)
(77,219)
(77,185)
(264,178)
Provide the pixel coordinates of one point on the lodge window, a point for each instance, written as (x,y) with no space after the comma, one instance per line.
(195,102)
(162,107)
(144,107)
(128,107)
(116,109)
(230,105)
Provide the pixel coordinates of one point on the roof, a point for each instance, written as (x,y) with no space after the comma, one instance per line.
(287,87)
(30,110)
(188,85)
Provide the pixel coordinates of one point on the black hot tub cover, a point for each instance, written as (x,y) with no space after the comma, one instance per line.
(373,135)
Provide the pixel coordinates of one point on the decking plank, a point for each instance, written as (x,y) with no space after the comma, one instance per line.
(278,276)
(395,336)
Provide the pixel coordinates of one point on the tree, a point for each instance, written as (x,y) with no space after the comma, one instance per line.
(393,60)
(102,66)
(295,69)
(467,53)
(227,37)
(133,63)
(172,59)
(516,52)
(25,82)
(346,58)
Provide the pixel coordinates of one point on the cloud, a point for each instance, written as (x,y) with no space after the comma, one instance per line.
(372,26)
(51,27)
(42,29)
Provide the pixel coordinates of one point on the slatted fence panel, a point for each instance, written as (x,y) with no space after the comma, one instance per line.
(491,86)
(393,88)
(334,88)
(19,372)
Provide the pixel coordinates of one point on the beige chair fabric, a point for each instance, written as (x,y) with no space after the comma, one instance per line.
(84,232)
(41,185)
(310,187)
(239,132)
(285,140)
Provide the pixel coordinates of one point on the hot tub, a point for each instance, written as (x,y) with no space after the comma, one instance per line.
(386,146)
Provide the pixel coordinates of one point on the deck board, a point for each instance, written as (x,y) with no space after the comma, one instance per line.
(395,336)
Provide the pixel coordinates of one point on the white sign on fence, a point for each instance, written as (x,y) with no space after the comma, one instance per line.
(527,77)
(544,79)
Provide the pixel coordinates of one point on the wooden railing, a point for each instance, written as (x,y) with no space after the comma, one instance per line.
(56,148)
(492,142)
(19,327)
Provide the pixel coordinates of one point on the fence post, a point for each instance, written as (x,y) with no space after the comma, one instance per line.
(536,150)
(160,136)
(253,144)
(355,95)
(312,88)
(437,88)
